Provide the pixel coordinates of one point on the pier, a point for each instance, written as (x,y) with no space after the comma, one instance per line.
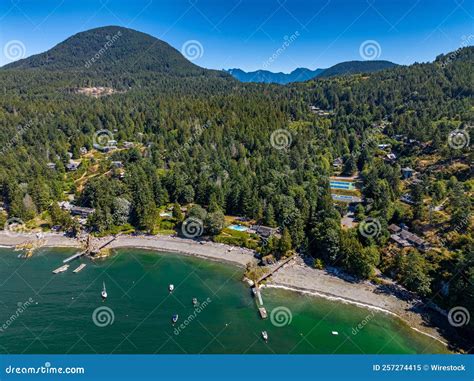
(274,270)
(75,256)
(90,249)
(256,289)
(258,294)
(103,246)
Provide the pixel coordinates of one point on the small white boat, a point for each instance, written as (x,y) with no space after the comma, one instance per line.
(104,292)
(335,333)
(174,318)
(195,301)
(171,287)
(265,335)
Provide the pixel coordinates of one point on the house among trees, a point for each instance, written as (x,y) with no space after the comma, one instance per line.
(73,165)
(263,231)
(51,165)
(81,211)
(128,144)
(76,210)
(117,164)
(407,172)
(407,199)
(83,150)
(110,146)
(337,163)
(318,111)
(404,238)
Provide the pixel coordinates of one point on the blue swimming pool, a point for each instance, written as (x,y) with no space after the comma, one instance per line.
(239,228)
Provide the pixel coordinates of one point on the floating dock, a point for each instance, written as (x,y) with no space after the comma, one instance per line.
(79,268)
(263,312)
(61,269)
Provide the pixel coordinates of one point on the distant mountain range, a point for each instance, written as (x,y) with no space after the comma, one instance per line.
(303,74)
(265,76)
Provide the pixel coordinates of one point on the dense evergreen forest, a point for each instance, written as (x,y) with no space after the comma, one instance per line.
(250,150)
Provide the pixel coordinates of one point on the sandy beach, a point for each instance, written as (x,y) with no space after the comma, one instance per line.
(299,277)
(208,250)
(295,276)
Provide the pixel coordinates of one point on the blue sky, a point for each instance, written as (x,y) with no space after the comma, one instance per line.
(246,33)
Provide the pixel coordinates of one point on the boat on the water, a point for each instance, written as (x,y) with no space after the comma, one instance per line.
(335,333)
(265,335)
(61,269)
(79,268)
(195,301)
(174,318)
(104,292)
(263,312)
(171,287)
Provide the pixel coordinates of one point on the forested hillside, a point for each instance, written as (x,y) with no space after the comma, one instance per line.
(250,150)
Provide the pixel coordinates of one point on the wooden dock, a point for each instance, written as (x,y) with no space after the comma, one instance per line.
(61,269)
(75,256)
(79,268)
(274,270)
(90,249)
(258,294)
(103,246)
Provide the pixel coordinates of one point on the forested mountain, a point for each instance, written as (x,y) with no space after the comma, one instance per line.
(113,50)
(264,76)
(250,150)
(356,67)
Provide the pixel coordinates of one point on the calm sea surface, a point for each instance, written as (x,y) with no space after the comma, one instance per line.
(45,313)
